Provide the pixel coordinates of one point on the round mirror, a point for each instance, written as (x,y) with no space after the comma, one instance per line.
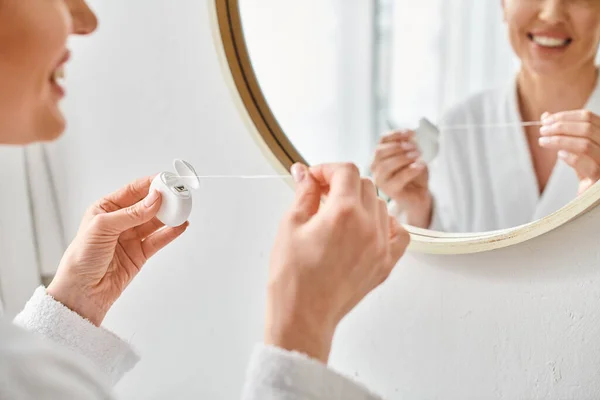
(479,121)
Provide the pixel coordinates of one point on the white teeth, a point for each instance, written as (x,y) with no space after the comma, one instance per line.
(59,75)
(549,42)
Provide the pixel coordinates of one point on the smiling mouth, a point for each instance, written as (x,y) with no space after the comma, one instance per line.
(58,76)
(549,42)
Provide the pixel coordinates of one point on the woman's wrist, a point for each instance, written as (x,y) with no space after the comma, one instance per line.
(293,327)
(419,214)
(74,299)
(293,337)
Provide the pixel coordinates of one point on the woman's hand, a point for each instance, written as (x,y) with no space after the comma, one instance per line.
(576,137)
(328,257)
(402,176)
(117,236)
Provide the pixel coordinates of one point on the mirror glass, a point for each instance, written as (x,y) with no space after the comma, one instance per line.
(440,101)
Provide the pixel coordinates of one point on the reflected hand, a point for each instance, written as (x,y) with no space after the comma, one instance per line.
(328,257)
(115,239)
(402,176)
(576,137)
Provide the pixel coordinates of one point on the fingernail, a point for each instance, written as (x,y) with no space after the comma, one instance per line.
(563,154)
(298,172)
(407,145)
(544,141)
(545,129)
(417,165)
(413,155)
(547,119)
(151,198)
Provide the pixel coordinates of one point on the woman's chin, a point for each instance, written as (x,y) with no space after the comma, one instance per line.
(51,129)
(548,68)
(557,66)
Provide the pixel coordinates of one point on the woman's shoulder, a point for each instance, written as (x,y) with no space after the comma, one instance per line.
(477,108)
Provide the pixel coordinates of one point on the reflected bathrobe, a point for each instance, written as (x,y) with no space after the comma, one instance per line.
(483,178)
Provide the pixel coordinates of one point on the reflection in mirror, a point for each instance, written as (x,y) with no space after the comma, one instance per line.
(470,115)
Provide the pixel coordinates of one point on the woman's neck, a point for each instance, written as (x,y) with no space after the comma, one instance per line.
(539,94)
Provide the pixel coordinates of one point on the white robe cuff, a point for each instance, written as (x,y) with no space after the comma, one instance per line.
(276,374)
(436,220)
(51,319)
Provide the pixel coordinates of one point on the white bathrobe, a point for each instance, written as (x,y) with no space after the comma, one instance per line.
(483,179)
(81,361)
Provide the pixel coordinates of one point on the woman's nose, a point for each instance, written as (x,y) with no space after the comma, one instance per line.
(552,11)
(84,19)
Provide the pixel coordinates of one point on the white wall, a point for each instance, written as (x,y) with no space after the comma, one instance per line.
(517,323)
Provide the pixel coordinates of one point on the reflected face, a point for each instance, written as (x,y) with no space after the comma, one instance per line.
(33,52)
(553,36)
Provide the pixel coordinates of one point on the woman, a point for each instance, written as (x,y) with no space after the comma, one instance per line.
(487,179)
(119,233)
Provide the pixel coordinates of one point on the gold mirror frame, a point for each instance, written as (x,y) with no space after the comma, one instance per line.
(251,102)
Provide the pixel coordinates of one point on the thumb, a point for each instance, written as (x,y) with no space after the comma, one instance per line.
(141,212)
(308,193)
(399,240)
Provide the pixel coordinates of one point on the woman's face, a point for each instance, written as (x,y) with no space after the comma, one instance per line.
(33,52)
(554,36)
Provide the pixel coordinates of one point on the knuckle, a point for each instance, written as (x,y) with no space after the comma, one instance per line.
(586,115)
(382,204)
(291,217)
(133,212)
(99,222)
(404,236)
(345,210)
(586,146)
(93,209)
(351,169)
(100,205)
(368,184)
(371,240)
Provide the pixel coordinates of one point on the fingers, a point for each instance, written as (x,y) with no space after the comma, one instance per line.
(393,225)
(126,196)
(576,137)
(119,221)
(159,239)
(575,129)
(408,174)
(572,144)
(147,229)
(571,116)
(398,243)
(384,220)
(308,194)
(395,136)
(343,179)
(387,168)
(369,195)
(583,165)
(393,149)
